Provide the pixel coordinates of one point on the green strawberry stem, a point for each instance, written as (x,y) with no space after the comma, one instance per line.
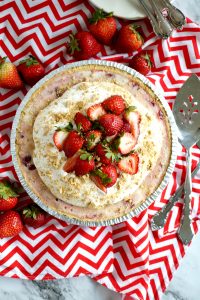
(2,60)
(67,128)
(147,58)
(73,44)
(6,191)
(104,177)
(31,212)
(115,157)
(130,108)
(30,61)
(98,15)
(86,156)
(133,27)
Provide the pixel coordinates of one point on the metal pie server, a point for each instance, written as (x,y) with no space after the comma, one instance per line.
(187,115)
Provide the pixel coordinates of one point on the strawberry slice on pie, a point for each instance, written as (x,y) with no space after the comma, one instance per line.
(125,143)
(133,118)
(59,138)
(95,111)
(129,164)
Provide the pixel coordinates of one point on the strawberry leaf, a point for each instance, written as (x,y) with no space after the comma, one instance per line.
(31,212)
(6,191)
(86,156)
(148,60)
(104,177)
(73,44)
(79,127)
(2,60)
(110,154)
(130,108)
(30,61)
(67,128)
(98,15)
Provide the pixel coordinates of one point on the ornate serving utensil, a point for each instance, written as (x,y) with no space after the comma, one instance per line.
(187,115)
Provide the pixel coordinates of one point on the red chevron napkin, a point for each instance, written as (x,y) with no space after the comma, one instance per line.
(128,257)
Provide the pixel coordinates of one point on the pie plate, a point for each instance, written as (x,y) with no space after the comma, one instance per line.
(126,9)
(42,198)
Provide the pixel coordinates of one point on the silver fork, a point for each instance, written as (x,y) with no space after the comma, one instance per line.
(160,25)
(175,15)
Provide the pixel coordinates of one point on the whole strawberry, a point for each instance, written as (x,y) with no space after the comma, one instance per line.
(8,197)
(9,77)
(129,164)
(112,124)
(10,224)
(82,122)
(84,164)
(72,143)
(83,45)
(31,70)
(103,26)
(141,63)
(115,104)
(133,117)
(129,39)
(105,177)
(33,216)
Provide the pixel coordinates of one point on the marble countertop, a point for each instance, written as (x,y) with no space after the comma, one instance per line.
(184,285)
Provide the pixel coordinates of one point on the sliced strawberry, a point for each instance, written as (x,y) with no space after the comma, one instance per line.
(106,176)
(84,164)
(82,122)
(97,181)
(59,138)
(125,143)
(126,127)
(69,166)
(72,143)
(95,111)
(129,164)
(115,104)
(111,173)
(112,124)
(134,119)
(92,138)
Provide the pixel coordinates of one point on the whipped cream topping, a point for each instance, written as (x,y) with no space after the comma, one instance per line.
(81,191)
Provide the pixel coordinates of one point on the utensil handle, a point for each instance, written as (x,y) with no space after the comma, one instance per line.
(175,15)
(152,19)
(185,231)
(163,24)
(159,219)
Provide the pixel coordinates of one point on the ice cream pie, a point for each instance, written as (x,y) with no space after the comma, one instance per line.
(93,142)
